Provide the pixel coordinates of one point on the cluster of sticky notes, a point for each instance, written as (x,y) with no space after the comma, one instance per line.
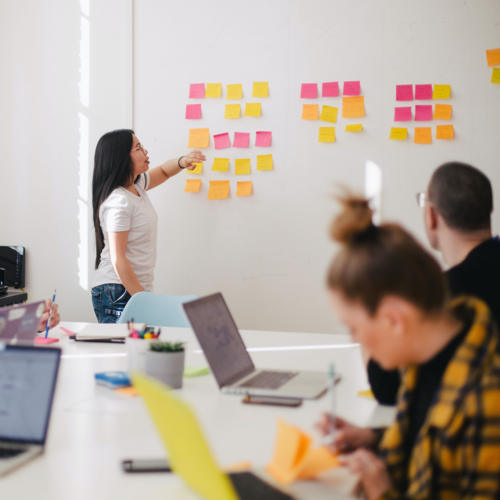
(329,89)
(219,190)
(423,135)
(233,91)
(422,92)
(493,58)
(242,140)
(242,166)
(295,458)
(423,113)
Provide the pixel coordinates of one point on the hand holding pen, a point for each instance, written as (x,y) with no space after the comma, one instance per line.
(50,314)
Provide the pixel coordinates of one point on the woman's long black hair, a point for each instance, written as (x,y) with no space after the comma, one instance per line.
(112,168)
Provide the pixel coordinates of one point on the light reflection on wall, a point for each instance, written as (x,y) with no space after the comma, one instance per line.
(373,188)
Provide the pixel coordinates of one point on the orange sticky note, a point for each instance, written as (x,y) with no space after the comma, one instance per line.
(199,138)
(423,135)
(218,190)
(353,107)
(128,391)
(315,462)
(264,162)
(192,185)
(493,57)
(442,111)
(445,132)
(244,188)
(197,170)
(310,111)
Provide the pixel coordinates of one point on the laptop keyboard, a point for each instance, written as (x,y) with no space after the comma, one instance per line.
(9,452)
(250,487)
(269,380)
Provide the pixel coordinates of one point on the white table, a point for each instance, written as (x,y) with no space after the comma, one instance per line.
(92,429)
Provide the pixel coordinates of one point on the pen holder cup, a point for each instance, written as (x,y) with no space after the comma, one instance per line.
(167,367)
(136,354)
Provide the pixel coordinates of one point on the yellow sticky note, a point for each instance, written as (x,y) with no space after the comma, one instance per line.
(366,394)
(398,133)
(242,166)
(315,462)
(264,162)
(197,170)
(326,134)
(423,135)
(329,114)
(260,89)
(441,92)
(495,77)
(218,190)
(358,127)
(235,91)
(232,111)
(244,188)
(310,111)
(213,90)
(199,138)
(353,107)
(192,185)
(442,111)
(220,164)
(445,132)
(252,109)
(493,57)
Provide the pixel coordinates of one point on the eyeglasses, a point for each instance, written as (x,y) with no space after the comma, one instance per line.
(421,199)
(144,150)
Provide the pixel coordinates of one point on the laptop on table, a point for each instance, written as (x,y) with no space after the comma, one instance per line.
(230,362)
(20,323)
(27,383)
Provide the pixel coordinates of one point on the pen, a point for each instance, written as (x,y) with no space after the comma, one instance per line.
(327,440)
(50,312)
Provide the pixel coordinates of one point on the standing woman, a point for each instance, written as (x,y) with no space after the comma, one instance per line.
(125,221)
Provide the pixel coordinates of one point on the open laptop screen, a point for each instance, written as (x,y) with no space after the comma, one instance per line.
(219,338)
(27,382)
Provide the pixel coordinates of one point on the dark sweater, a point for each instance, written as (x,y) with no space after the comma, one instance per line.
(477,275)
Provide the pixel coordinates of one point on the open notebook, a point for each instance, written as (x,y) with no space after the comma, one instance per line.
(106,332)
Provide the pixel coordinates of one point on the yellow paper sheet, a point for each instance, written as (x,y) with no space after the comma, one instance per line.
(423,135)
(260,89)
(442,111)
(220,164)
(398,133)
(310,111)
(445,132)
(493,57)
(353,107)
(252,109)
(358,127)
(235,91)
(441,92)
(244,188)
(232,111)
(218,190)
(199,138)
(213,90)
(192,185)
(242,166)
(326,134)
(366,394)
(495,76)
(198,170)
(264,162)
(329,114)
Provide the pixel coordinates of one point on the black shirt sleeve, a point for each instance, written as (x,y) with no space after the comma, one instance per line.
(384,383)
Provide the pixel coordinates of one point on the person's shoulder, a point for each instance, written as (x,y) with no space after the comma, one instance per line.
(117,199)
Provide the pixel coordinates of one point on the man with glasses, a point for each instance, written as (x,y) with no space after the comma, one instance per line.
(457,210)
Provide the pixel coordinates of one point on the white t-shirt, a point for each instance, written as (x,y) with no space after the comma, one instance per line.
(124,211)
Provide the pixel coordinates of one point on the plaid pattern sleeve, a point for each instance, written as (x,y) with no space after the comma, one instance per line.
(457,451)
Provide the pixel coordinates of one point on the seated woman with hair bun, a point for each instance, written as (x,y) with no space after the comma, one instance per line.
(445,440)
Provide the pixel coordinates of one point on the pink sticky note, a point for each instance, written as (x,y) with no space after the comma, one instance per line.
(241,140)
(263,139)
(197,91)
(193,111)
(423,92)
(330,89)
(423,113)
(222,141)
(404,92)
(402,114)
(352,88)
(309,91)
(45,341)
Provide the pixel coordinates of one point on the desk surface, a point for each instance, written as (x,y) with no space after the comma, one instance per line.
(92,429)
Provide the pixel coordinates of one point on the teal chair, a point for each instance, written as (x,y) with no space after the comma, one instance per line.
(156,310)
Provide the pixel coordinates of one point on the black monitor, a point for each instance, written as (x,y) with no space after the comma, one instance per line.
(12,259)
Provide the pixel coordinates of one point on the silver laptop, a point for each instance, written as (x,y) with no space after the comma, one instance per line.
(20,323)
(230,362)
(27,382)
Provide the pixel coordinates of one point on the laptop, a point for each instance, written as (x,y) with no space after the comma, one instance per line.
(27,382)
(20,323)
(189,454)
(230,362)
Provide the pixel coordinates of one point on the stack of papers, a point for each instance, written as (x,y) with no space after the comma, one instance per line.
(106,331)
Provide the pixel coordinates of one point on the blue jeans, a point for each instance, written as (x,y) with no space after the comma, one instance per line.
(109,301)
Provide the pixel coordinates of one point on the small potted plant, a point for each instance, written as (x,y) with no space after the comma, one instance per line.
(165,362)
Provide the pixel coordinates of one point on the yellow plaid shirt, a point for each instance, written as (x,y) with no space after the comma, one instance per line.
(456,454)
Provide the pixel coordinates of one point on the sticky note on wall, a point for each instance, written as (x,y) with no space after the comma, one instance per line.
(329,114)
(232,111)
(244,188)
(398,134)
(423,112)
(222,141)
(441,92)
(260,89)
(241,140)
(197,91)
(330,89)
(213,90)
(352,88)
(193,111)
(192,185)
(252,109)
(326,134)
(234,91)
(263,139)
(199,138)
(445,132)
(309,91)
(197,170)
(402,114)
(442,112)
(264,162)
(218,190)
(493,57)
(495,76)
(220,164)
(353,107)
(242,166)
(423,92)
(358,127)
(404,92)
(423,135)
(310,111)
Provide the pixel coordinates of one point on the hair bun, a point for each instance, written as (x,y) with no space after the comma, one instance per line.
(354,220)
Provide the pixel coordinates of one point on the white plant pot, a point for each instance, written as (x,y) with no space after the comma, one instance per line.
(167,367)
(136,354)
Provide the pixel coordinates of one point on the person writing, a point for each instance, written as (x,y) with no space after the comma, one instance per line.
(55,318)
(392,295)
(125,221)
